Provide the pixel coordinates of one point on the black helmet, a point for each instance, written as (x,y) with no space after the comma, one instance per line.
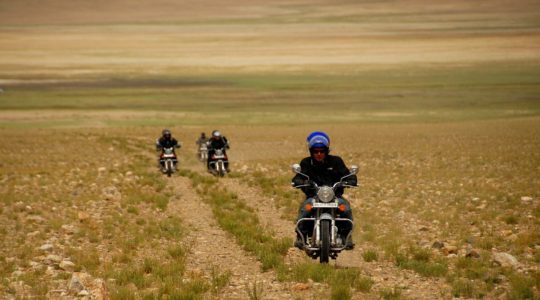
(203,134)
(166,133)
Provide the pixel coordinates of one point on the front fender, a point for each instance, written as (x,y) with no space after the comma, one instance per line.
(326,216)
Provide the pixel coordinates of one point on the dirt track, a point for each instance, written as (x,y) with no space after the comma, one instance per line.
(211,248)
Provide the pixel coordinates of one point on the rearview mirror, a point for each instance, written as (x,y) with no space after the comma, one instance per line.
(354,169)
(296,168)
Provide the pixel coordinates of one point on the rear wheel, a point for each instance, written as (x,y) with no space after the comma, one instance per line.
(325,241)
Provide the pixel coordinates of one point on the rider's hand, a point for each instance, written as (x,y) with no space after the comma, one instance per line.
(300,181)
(350,182)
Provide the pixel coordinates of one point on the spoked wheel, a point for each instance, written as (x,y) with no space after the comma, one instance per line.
(325,242)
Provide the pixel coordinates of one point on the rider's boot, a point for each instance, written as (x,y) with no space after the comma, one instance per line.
(299,243)
(349,244)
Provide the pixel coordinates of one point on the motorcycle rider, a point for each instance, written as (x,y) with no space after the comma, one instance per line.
(323,169)
(201,141)
(166,141)
(217,141)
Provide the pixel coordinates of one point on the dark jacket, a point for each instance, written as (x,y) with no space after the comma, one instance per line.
(221,143)
(328,172)
(166,143)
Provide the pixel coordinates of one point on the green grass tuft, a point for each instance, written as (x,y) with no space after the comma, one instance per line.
(390,293)
(421,262)
(463,288)
(370,255)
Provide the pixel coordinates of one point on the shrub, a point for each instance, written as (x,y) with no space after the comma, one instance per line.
(421,263)
(463,288)
(521,287)
(341,292)
(390,294)
(370,255)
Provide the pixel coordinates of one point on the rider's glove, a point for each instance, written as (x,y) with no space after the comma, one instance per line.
(300,181)
(351,182)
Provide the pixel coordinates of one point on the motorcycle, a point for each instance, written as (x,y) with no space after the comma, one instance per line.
(325,242)
(218,163)
(168,161)
(203,152)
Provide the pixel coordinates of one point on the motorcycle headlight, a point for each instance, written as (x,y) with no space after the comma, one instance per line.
(325,194)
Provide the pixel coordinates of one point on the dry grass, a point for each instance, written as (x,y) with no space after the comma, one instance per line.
(456,183)
(54,194)
(408,173)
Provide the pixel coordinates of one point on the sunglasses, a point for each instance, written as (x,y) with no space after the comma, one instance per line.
(319,151)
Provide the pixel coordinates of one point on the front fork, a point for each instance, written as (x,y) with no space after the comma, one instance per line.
(316,234)
(333,232)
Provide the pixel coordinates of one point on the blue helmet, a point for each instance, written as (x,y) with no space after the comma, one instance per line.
(318,139)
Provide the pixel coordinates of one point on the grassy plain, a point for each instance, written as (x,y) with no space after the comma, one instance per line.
(438,103)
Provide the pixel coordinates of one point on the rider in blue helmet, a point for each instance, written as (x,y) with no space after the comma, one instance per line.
(323,169)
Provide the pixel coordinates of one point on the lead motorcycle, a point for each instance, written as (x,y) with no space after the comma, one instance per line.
(218,162)
(168,161)
(324,241)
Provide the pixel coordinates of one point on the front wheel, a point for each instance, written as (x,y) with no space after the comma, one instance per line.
(221,168)
(325,241)
(169,166)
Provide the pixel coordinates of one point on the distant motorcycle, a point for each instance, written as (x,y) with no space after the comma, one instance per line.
(168,161)
(203,152)
(218,163)
(324,241)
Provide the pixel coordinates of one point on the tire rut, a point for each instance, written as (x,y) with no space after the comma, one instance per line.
(269,216)
(210,247)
